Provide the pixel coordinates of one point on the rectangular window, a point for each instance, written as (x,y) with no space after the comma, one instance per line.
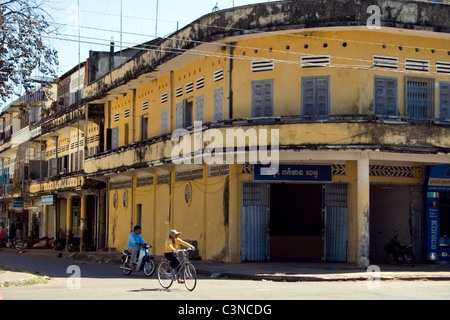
(164,121)
(262,98)
(114,138)
(385,96)
(53,167)
(444,100)
(184,115)
(419,98)
(218,104)
(144,128)
(127,134)
(188,113)
(139,214)
(315,96)
(199,102)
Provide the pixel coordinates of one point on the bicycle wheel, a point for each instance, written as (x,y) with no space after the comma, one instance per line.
(20,244)
(190,277)
(165,274)
(149,267)
(410,259)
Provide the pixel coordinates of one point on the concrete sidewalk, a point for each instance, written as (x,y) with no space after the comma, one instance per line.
(273,271)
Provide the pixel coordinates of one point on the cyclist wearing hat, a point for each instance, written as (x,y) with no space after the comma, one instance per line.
(171,246)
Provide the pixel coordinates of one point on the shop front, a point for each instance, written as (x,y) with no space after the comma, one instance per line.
(437,213)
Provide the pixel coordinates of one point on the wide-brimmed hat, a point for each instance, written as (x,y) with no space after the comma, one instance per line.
(174,233)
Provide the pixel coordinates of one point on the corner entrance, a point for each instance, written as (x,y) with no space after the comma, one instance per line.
(297,222)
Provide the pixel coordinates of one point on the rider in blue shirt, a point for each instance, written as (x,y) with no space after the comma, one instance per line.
(134,240)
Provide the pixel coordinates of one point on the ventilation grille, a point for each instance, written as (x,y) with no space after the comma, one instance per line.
(179,92)
(116,116)
(126,184)
(338,169)
(443,67)
(218,170)
(189,175)
(200,83)
(385,62)
(262,65)
(163,179)
(126,113)
(218,75)
(417,65)
(164,97)
(391,171)
(145,105)
(189,87)
(315,61)
(144,181)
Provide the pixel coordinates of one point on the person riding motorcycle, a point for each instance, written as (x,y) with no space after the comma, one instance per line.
(134,241)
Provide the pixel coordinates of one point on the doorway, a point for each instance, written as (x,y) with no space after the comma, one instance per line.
(295,222)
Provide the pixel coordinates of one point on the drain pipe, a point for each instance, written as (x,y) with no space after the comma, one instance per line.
(230,71)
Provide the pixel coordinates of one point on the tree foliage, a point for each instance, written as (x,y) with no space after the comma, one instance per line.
(24,32)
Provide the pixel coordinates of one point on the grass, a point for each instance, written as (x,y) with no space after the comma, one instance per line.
(35,280)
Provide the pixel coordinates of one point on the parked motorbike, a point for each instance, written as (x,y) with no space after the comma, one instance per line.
(397,253)
(145,262)
(59,244)
(73,244)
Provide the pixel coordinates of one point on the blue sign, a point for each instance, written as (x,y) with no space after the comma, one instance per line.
(438,178)
(47,200)
(311,173)
(17,204)
(432,225)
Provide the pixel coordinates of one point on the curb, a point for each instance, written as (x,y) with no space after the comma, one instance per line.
(18,281)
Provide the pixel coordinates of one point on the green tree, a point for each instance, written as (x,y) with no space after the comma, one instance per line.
(34,231)
(24,31)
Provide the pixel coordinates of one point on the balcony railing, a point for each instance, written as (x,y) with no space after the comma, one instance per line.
(62,119)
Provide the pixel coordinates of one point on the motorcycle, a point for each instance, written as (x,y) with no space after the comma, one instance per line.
(397,253)
(145,262)
(73,244)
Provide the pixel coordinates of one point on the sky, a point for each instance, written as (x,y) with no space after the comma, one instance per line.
(91,25)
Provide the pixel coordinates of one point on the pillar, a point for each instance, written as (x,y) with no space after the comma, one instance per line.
(83,224)
(69,219)
(45,221)
(363,208)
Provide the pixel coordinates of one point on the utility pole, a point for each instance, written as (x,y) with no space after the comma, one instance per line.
(156,23)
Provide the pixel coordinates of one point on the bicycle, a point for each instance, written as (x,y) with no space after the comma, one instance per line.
(186,272)
(20,244)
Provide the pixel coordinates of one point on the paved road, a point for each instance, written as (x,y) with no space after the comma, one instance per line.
(81,280)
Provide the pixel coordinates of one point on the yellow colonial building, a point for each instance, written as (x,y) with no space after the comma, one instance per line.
(285,130)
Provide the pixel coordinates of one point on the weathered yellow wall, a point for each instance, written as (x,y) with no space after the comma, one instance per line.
(208,218)
(120,220)
(351,72)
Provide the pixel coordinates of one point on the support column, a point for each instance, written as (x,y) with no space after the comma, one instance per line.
(363,214)
(83,224)
(69,219)
(235,213)
(45,221)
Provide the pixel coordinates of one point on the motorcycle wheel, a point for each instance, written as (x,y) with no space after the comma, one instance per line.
(149,268)
(390,259)
(125,269)
(72,248)
(410,259)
